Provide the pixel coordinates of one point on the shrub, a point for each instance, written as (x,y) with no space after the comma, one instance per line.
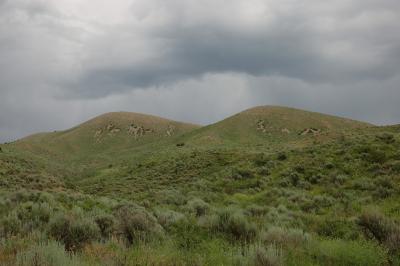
(395,166)
(49,254)
(33,215)
(10,225)
(188,235)
(198,207)
(264,171)
(167,218)
(234,223)
(339,179)
(282,156)
(72,231)
(323,201)
(106,224)
(256,210)
(373,154)
(386,138)
(294,179)
(329,165)
(136,224)
(260,159)
(283,217)
(172,196)
(242,173)
(377,226)
(271,256)
(284,237)
(382,192)
(363,184)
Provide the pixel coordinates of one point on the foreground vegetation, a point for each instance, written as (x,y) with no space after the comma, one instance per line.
(325,202)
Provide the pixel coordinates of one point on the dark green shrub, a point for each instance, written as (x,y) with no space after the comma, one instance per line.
(242,173)
(373,154)
(74,232)
(299,169)
(395,166)
(284,182)
(106,224)
(314,179)
(384,182)
(386,138)
(189,235)
(329,166)
(294,179)
(264,171)
(260,159)
(282,156)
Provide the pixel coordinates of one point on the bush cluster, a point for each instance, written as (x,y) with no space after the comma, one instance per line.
(73,231)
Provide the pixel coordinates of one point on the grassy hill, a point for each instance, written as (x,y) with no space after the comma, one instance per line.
(268,186)
(111,131)
(274,124)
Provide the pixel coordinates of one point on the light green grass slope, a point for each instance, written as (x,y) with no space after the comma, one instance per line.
(108,132)
(274,124)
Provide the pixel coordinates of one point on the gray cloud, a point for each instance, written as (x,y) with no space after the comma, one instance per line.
(199,61)
(360,43)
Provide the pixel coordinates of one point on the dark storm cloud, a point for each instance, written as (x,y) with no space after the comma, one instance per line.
(362,44)
(64,61)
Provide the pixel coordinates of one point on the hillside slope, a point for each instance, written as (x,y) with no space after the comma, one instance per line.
(274,124)
(108,132)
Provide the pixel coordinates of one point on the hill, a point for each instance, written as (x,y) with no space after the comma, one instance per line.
(275,124)
(106,133)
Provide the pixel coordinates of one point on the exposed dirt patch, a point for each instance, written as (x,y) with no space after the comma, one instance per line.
(261,126)
(170,130)
(310,131)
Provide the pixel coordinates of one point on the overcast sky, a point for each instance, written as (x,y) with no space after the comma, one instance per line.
(64,61)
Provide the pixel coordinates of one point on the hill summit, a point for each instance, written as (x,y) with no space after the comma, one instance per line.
(276,123)
(110,131)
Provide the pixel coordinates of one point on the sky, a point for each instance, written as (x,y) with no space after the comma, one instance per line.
(65,61)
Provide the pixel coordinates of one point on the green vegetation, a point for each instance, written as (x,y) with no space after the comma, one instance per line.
(269,186)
